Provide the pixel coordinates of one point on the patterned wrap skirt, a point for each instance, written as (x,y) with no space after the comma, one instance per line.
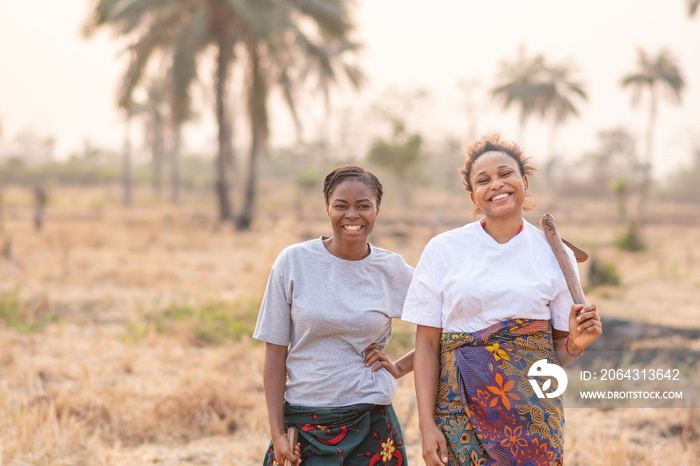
(486,406)
(356,435)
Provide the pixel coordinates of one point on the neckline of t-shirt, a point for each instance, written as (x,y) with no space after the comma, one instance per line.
(488,239)
(347,261)
(482,222)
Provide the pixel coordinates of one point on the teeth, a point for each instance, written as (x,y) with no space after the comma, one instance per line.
(353,227)
(499,197)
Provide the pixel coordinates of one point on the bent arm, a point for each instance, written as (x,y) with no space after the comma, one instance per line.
(405,363)
(584,328)
(377,359)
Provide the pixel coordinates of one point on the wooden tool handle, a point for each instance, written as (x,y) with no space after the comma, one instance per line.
(292,436)
(550,231)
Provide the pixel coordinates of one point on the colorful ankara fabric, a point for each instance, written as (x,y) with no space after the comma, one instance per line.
(487,408)
(357,435)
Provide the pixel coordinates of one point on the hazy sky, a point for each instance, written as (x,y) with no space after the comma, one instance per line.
(60,84)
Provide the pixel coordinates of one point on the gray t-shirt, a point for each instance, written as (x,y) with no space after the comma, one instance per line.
(328,310)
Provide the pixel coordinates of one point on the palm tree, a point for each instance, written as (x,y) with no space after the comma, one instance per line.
(654,74)
(257,91)
(520,85)
(555,99)
(153,109)
(273,60)
(325,62)
(156,31)
(127,183)
(184,29)
(539,88)
(322,59)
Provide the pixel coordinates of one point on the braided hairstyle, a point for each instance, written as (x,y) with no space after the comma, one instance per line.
(494,143)
(346,172)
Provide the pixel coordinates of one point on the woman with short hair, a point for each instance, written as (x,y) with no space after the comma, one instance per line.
(326,318)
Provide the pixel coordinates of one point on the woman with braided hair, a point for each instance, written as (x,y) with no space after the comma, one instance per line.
(326,318)
(491,303)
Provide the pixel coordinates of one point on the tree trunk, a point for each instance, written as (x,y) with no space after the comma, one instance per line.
(157,153)
(521,131)
(646,167)
(259,132)
(225,155)
(175,165)
(403,200)
(245,218)
(40,198)
(2,213)
(126,162)
(552,156)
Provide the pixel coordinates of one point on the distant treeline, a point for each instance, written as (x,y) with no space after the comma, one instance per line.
(303,169)
(196,172)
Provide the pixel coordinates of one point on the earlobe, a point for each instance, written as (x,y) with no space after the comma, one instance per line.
(471,195)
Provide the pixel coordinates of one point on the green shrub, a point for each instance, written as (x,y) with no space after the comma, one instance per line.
(206,324)
(630,239)
(602,273)
(18,315)
(308,179)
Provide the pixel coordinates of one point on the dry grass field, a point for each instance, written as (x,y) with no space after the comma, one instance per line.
(125,334)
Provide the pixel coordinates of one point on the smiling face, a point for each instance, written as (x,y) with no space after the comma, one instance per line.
(352,209)
(498,186)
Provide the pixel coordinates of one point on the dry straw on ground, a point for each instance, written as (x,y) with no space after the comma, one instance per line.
(124,335)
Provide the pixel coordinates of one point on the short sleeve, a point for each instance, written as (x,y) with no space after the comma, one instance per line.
(274,320)
(560,306)
(424,300)
(401,275)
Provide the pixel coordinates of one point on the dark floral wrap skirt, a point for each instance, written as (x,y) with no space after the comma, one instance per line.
(486,405)
(356,435)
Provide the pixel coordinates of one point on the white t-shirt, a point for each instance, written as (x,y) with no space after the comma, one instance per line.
(466,281)
(329,310)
